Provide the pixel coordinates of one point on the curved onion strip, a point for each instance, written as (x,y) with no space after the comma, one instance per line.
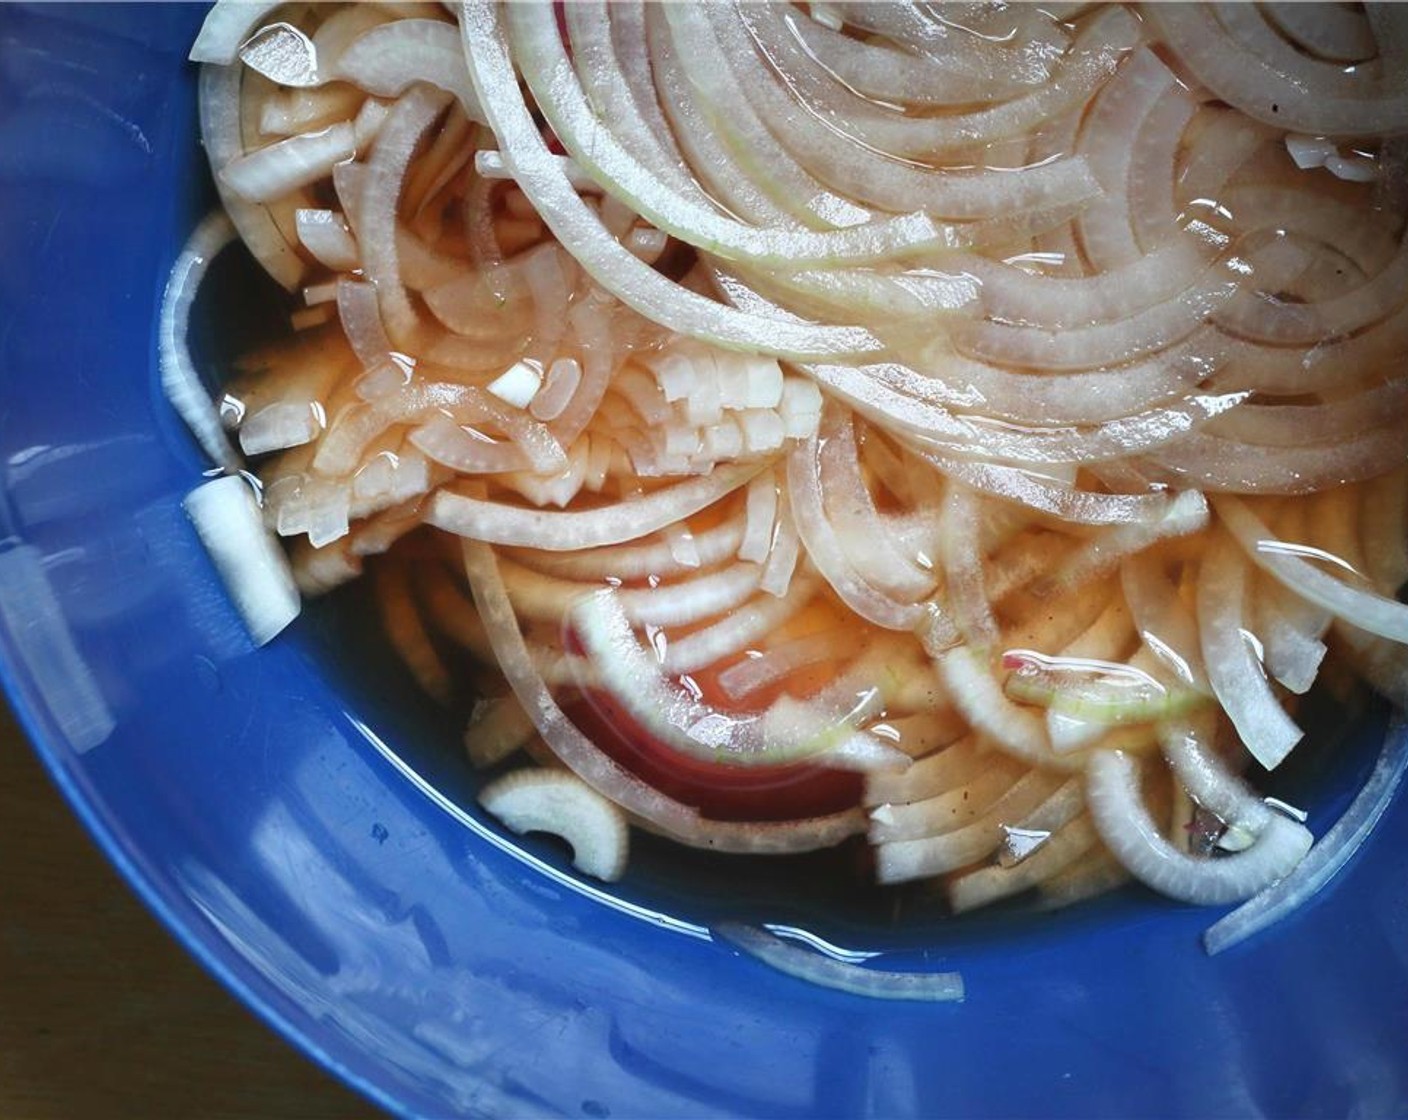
(1325,30)
(1108,139)
(865,175)
(1263,92)
(1102,344)
(389,58)
(863,533)
(1013,728)
(1326,859)
(804,490)
(1271,425)
(1055,853)
(812,967)
(1164,622)
(1195,764)
(541,58)
(749,623)
(892,76)
(540,597)
(559,802)
(731,150)
(1090,61)
(1124,824)
(1019,42)
(1292,565)
(1209,463)
(179,378)
(568,531)
(1014,295)
(952,809)
(220,136)
(226,27)
(901,860)
(579,230)
(788,731)
(587,761)
(638,561)
(1234,669)
(376,230)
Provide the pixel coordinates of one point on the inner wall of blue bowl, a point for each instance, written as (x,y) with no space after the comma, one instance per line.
(306,824)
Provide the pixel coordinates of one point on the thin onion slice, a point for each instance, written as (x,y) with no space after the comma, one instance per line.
(1326,859)
(1124,824)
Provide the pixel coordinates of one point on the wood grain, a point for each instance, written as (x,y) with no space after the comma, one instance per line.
(102,1014)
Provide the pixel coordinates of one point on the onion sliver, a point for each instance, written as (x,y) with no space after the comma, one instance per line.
(1124,824)
(179,378)
(253,567)
(568,531)
(1290,563)
(1258,89)
(789,731)
(1329,855)
(813,967)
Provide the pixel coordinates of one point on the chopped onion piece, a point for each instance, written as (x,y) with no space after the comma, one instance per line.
(559,802)
(518,384)
(283,54)
(253,567)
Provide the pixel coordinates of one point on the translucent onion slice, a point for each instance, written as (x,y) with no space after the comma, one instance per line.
(219,96)
(544,64)
(788,731)
(1233,663)
(812,967)
(226,27)
(579,230)
(568,531)
(1124,824)
(1259,89)
(179,378)
(1294,566)
(1077,74)
(604,775)
(677,603)
(1326,859)
(271,172)
(387,59)
(866,175)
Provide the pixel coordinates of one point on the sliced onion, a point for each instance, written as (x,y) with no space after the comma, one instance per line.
(559,802)
(1326,859)
(1290,563)
(1124,824)
(179,378)
(567,531)
(253,567)
(580,232)
(387,59)
(813,967)
(787,732)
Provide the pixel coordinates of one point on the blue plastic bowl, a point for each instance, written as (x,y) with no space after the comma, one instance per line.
(318,849)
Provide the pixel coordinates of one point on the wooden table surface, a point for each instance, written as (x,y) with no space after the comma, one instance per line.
(102,1014)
